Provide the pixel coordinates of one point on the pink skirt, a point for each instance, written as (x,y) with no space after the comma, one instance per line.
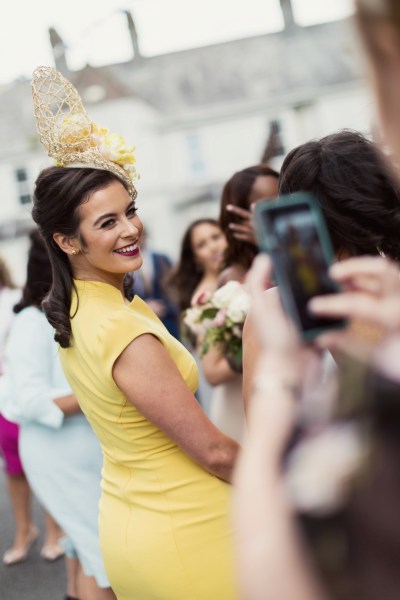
(9,447)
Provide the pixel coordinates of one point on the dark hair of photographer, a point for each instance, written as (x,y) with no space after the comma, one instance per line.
(240,191)
(39,277)
(356,189)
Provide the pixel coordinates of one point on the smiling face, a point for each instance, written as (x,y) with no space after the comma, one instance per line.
(208,245)
(109,233)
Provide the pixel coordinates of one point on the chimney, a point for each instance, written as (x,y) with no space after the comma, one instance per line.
(59,48)
(133,34)
(288,17)
(274,146)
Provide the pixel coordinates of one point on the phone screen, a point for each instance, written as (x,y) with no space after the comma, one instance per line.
(300,262)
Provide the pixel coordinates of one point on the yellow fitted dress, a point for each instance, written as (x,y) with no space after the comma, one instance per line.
(164,524)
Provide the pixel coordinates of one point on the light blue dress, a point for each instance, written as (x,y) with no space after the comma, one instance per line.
(61,456)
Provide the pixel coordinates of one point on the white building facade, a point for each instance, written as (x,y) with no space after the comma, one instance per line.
(195,116)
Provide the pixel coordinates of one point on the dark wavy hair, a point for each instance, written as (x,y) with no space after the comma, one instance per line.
(236,191)
(356,188)
(58,194)
(38,277)
(186,275)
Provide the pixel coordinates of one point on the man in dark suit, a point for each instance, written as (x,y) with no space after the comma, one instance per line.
(150,285)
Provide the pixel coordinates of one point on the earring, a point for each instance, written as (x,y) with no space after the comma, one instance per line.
(74,251)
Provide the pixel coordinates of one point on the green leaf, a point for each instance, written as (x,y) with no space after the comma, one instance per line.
(209,313)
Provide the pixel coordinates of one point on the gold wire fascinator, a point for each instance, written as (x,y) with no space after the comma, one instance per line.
(68,134)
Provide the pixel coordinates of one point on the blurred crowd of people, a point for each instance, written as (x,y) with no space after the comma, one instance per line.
(135,457)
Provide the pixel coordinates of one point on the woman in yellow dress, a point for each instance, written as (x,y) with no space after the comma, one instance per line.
(164,525)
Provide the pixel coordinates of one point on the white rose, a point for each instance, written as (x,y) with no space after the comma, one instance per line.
(225,294)
(194,323)
(192,316)
(239,307)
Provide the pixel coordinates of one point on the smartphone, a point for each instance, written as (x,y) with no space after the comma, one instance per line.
(292,230)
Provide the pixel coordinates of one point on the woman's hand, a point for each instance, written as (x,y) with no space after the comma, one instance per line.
(371,296)
(216,367)
(68,404)
(243,231)
(371,293)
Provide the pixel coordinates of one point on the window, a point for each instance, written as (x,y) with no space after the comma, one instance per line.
(23,191)
(21,175)
(25,199)
(196,160)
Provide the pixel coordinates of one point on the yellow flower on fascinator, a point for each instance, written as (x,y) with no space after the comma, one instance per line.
(113,147)
(68,134)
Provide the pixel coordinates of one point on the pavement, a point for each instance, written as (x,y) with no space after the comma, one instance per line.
(34,579)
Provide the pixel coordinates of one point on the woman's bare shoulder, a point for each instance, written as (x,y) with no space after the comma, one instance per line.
(232,273)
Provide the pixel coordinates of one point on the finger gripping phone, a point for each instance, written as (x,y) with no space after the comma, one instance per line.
(292,230)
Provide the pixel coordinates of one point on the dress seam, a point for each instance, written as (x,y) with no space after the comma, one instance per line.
(170,515)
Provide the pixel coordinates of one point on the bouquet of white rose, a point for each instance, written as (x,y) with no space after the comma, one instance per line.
(218,319)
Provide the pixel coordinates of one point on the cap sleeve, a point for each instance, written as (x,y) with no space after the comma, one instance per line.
(118,330)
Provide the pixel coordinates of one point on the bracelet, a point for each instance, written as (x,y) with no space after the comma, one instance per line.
(262,384)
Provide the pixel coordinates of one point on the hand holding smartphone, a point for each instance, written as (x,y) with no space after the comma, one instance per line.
(292,230)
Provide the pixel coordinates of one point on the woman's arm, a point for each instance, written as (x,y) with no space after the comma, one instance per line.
(251,353)
(216,367)
(67,404)
(270,317)
(268,314)
(31,359)
(273,560)
(159,392)
(232,273)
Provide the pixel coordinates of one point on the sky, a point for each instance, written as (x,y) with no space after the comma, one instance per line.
(94,31)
